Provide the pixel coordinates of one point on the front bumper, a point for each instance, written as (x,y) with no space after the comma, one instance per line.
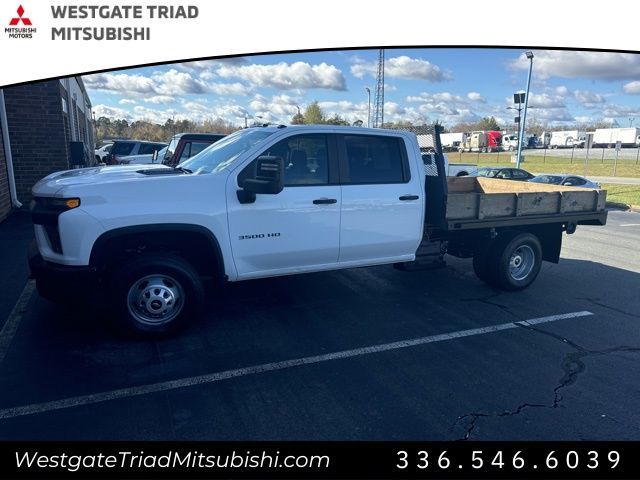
(61,283)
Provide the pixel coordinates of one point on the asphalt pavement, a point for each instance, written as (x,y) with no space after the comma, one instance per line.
(363,354)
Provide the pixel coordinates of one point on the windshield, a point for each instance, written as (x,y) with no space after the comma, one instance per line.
(171,148)
(550,179)
(222,153)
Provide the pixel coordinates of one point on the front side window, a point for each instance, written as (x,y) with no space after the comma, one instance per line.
(305,160)
(372,159)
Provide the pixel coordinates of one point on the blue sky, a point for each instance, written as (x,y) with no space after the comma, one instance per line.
(422,85)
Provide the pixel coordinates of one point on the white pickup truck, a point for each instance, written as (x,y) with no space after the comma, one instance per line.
(270,201)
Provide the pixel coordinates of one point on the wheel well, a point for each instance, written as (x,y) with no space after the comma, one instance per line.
(195,244)
(462,174)
(550,236)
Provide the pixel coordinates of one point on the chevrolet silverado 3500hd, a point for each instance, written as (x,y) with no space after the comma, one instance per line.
(270,201)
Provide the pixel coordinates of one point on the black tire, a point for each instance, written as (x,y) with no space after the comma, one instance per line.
(172,289)
(523,248)
(481,266)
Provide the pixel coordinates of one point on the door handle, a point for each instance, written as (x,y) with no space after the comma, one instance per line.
(324,201)
(409,197)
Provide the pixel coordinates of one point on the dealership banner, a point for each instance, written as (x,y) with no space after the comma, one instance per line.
(51,38)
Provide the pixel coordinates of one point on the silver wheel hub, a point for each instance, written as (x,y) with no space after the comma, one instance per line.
(155,299)
(521,262)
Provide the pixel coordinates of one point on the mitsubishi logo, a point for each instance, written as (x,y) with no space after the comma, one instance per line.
(16,20)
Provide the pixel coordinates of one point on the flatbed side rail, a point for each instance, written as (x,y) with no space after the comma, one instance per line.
(578,218)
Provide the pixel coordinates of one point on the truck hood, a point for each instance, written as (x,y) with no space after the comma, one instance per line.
(52,184)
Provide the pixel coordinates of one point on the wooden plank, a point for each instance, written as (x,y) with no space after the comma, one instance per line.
(462,206)
(538,203)
(497,205)
(576,201)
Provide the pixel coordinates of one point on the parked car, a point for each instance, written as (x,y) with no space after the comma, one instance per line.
(145,159)
(185,145)
(507,173)
(566,180)
(102,152)
(126,148)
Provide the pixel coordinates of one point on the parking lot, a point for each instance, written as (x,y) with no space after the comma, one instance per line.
(362,354)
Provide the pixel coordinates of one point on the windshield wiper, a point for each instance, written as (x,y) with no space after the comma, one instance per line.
(182,169)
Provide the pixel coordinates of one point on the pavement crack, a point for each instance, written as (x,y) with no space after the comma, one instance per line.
(596,301)
(488,300)
(572,366)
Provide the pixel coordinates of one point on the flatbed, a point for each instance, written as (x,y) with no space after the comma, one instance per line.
(475,202)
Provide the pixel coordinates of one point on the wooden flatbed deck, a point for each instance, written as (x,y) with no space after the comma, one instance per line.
(476,202)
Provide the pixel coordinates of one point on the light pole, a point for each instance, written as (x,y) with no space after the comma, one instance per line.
(368,106)
(526,104)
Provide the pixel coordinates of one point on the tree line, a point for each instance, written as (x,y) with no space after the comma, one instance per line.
(109,129)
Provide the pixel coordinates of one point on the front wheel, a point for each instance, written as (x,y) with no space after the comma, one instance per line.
(515,261)
(155,294)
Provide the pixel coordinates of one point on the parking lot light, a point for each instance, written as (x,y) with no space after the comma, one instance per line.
(529,55)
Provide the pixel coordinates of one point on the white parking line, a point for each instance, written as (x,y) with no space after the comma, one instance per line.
(267,367)
(630,225)
(13,321)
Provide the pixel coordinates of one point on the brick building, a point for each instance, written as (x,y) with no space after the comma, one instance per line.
(39,122)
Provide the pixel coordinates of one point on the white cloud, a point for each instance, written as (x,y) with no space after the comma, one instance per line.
(287,76)
(403,67)
(111,112)
(161,86)
(236,88)
(159,99)
(476,97)
(588,98)
(572,64)
(127,101)
(544,100)
(632,88)
(280,108)
(173,82)
(120,83)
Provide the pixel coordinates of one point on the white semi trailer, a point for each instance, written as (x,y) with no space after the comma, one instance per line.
(609,137)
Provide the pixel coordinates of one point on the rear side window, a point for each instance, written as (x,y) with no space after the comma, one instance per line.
(122,148)
(576,181)
(371,159)
(148,148)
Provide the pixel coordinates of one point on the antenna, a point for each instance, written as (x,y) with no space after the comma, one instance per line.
(378,114)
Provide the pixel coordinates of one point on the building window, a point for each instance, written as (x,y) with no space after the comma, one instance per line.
(64,105)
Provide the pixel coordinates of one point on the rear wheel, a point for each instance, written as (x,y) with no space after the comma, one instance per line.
(155,294)
(515,261)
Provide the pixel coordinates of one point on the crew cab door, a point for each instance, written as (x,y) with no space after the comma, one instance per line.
(382,204)
(297,229)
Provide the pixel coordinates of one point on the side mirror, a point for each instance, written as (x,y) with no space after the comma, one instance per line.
(268,179)
(154,157)
(567,184)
